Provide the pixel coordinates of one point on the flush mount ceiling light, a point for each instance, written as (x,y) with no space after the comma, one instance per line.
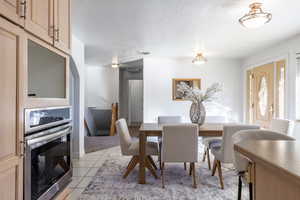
(199,59)
(256,17)
(114,65)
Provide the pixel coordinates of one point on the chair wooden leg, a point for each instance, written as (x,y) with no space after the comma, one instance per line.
(152,162)
(204,155)
(184,165)
(133,162)
(208,158)
(220,174)
(214,168)
(194,175)
(150,167)
(191,169)
(130,162)
(240,188)
(162,175)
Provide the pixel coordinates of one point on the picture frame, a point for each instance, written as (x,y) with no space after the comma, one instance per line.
(192,82)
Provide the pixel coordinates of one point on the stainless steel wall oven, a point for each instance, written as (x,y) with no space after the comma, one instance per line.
(47,161)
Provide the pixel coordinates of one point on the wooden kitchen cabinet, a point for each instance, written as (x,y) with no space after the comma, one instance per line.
(62,25)
(13,10)
(50,21)
(39,19)
(11,118)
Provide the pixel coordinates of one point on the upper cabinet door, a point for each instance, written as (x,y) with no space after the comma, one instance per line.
(62,31)
(11,129)
(13,10)
(39,19)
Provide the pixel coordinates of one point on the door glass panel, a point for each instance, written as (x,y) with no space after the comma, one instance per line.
(263,96)
(49,162)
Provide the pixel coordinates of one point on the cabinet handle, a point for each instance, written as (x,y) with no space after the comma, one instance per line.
(23,9)
(51,31)
(56,35)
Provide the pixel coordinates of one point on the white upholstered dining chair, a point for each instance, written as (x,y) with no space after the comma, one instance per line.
(171,119)
(180,144)
(225,152)
(283,126)
(130,147)
(241,163)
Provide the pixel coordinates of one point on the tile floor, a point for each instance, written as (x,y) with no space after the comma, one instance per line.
(83,171)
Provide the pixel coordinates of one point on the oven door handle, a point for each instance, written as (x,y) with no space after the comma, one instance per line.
(48,138)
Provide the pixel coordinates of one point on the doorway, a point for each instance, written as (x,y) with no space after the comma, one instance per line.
(135,102)
(266,93)
(131,92)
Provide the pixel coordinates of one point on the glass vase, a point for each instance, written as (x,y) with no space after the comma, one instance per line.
(197,113)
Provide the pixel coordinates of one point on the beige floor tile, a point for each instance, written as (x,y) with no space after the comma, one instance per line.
(75,181)
(75,194)
(92,171)
(84,182)
(99,163)
(82,171)
(84,163)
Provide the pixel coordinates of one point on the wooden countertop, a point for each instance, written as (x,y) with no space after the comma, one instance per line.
(284,156)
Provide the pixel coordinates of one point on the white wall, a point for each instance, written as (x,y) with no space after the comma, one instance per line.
(78,56)
(286,49)
(101,86)
(158,75)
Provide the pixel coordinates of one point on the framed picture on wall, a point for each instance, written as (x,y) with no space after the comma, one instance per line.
(194,83)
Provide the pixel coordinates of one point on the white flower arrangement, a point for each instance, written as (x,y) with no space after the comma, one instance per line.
(198,96)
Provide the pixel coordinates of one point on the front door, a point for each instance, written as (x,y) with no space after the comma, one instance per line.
(261,94)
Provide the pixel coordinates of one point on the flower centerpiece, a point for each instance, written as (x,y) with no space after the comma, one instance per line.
(197,97)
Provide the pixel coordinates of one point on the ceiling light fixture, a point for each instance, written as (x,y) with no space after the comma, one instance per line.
(199,59)
(256,17)
(114,65)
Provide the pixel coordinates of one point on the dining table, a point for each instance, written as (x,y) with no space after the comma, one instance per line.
(155,129)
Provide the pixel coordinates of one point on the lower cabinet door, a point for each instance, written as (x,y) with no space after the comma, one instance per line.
(11,135)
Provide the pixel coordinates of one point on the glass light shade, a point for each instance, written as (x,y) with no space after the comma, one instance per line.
(114,65)
(256,17)
(199,59)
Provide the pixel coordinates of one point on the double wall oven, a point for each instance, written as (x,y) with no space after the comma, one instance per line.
(47,164)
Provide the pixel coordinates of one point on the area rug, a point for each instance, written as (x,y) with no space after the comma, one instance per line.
(108,183)
(96,143)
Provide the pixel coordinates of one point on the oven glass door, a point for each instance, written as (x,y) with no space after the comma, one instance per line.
(50,160)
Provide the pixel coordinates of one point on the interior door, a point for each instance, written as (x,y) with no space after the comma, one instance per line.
(263,94)
(11,134)
(13,10)
(39,19)
(62,25)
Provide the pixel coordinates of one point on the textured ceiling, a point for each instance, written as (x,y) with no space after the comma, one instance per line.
(177,28)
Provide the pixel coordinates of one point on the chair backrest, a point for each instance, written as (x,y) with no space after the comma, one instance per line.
(241,162)
(124,135)
(180,143)
(227,143)
(281,125)
(169,119)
